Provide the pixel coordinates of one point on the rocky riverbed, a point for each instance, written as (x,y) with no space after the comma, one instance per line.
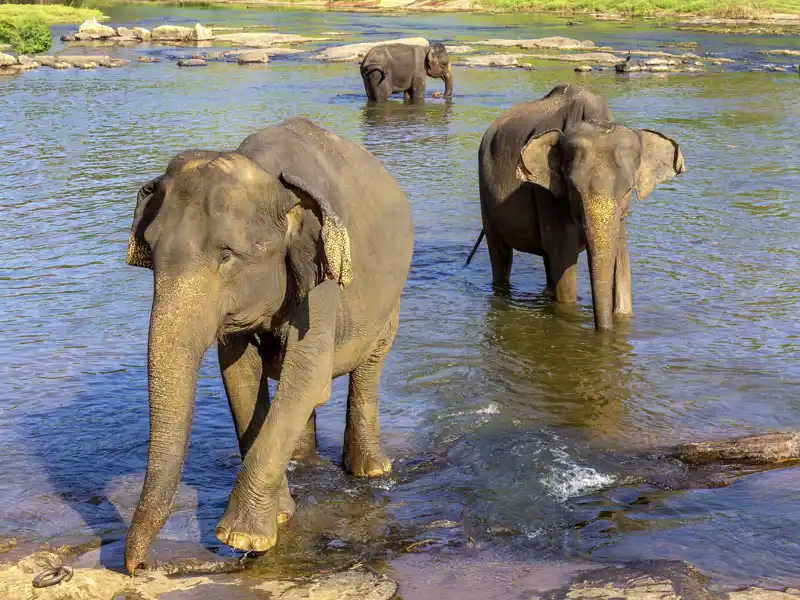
(257,47)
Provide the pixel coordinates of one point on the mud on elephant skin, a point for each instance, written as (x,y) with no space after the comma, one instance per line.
(391,68)
(557,190)
(292,252)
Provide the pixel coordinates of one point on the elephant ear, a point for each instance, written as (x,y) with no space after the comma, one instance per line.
(138,250)
(661,160)
(433,56)
(335,239)
(540,161)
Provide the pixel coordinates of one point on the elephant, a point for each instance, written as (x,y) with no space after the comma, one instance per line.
(556,176)
(391,68)
(292,252)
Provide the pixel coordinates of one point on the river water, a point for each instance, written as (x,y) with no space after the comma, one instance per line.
(534,434)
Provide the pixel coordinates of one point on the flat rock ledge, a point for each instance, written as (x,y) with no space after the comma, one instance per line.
(656,580)
(11,65)
(102,584)
(92,31)
(546,43)
(355,52)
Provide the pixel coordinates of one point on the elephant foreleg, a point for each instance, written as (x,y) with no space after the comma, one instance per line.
(251,517)
(363,454)
(622,274)
(247,388)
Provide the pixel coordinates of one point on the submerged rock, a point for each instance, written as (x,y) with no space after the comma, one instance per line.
(264,39)
(752,449)
(583,69)
(459,49)
(149,59)
(252,57)
(493,60)
(551,43)
(781,52)
(12,70)
(78,61)
(192,62)
(354,52)
(178,33)
(592,57)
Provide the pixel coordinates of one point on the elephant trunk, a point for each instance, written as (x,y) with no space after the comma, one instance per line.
(177,341)
(602,231)
(448,81)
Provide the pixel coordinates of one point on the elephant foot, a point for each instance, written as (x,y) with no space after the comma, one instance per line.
(367,461)
(249,529)
(286,504)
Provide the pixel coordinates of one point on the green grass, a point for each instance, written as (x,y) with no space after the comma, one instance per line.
(52,14)
(734,9)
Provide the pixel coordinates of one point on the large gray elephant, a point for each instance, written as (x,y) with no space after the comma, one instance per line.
(556,177)
(292,252)
(391,68)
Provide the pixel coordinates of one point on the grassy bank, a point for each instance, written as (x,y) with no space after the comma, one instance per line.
(730,9)
(51,14)
(26,27)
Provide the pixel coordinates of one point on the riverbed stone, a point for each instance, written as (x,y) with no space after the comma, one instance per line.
(493,60)
(583,69)
(781,52)
(142,34)
(252,57)
(256,39)
(77,61)
(61,65)
(68,38)
(546,43)
(179,33)
(459,49)
(93,28)
(355,52)
(192,62)
(11,70)
(6,60)
(582,57)
(88,65)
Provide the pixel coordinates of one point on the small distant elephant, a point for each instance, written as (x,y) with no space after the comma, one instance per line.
(556,177)
(391,68)
(292,251)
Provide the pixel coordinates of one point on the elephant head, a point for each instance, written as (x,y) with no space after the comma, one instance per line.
(437,64)
(595,166)
(232,248)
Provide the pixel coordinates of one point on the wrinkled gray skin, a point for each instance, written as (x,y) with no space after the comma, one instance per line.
(292,252)
(556,176)
(394,68)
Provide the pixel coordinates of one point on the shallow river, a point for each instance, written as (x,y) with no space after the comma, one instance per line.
(534,433)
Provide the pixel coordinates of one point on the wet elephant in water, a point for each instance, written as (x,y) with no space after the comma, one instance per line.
(556,177)
(391,68)
(292,252)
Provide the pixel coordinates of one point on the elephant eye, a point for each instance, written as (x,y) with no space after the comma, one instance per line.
(226,256)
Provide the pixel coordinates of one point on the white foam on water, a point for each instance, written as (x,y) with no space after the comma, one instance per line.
(568,479)
(489,409)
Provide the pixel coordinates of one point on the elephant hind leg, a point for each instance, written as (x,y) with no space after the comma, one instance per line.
(305,450)
(562,277)
(363,453)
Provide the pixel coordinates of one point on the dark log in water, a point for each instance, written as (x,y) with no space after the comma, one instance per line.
(753,449)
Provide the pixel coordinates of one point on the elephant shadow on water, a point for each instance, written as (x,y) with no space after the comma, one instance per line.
(93,452)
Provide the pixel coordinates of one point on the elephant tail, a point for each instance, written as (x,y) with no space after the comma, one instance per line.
(475,248)
(374,73)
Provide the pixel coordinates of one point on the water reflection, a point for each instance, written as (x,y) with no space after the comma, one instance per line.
(574,376)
